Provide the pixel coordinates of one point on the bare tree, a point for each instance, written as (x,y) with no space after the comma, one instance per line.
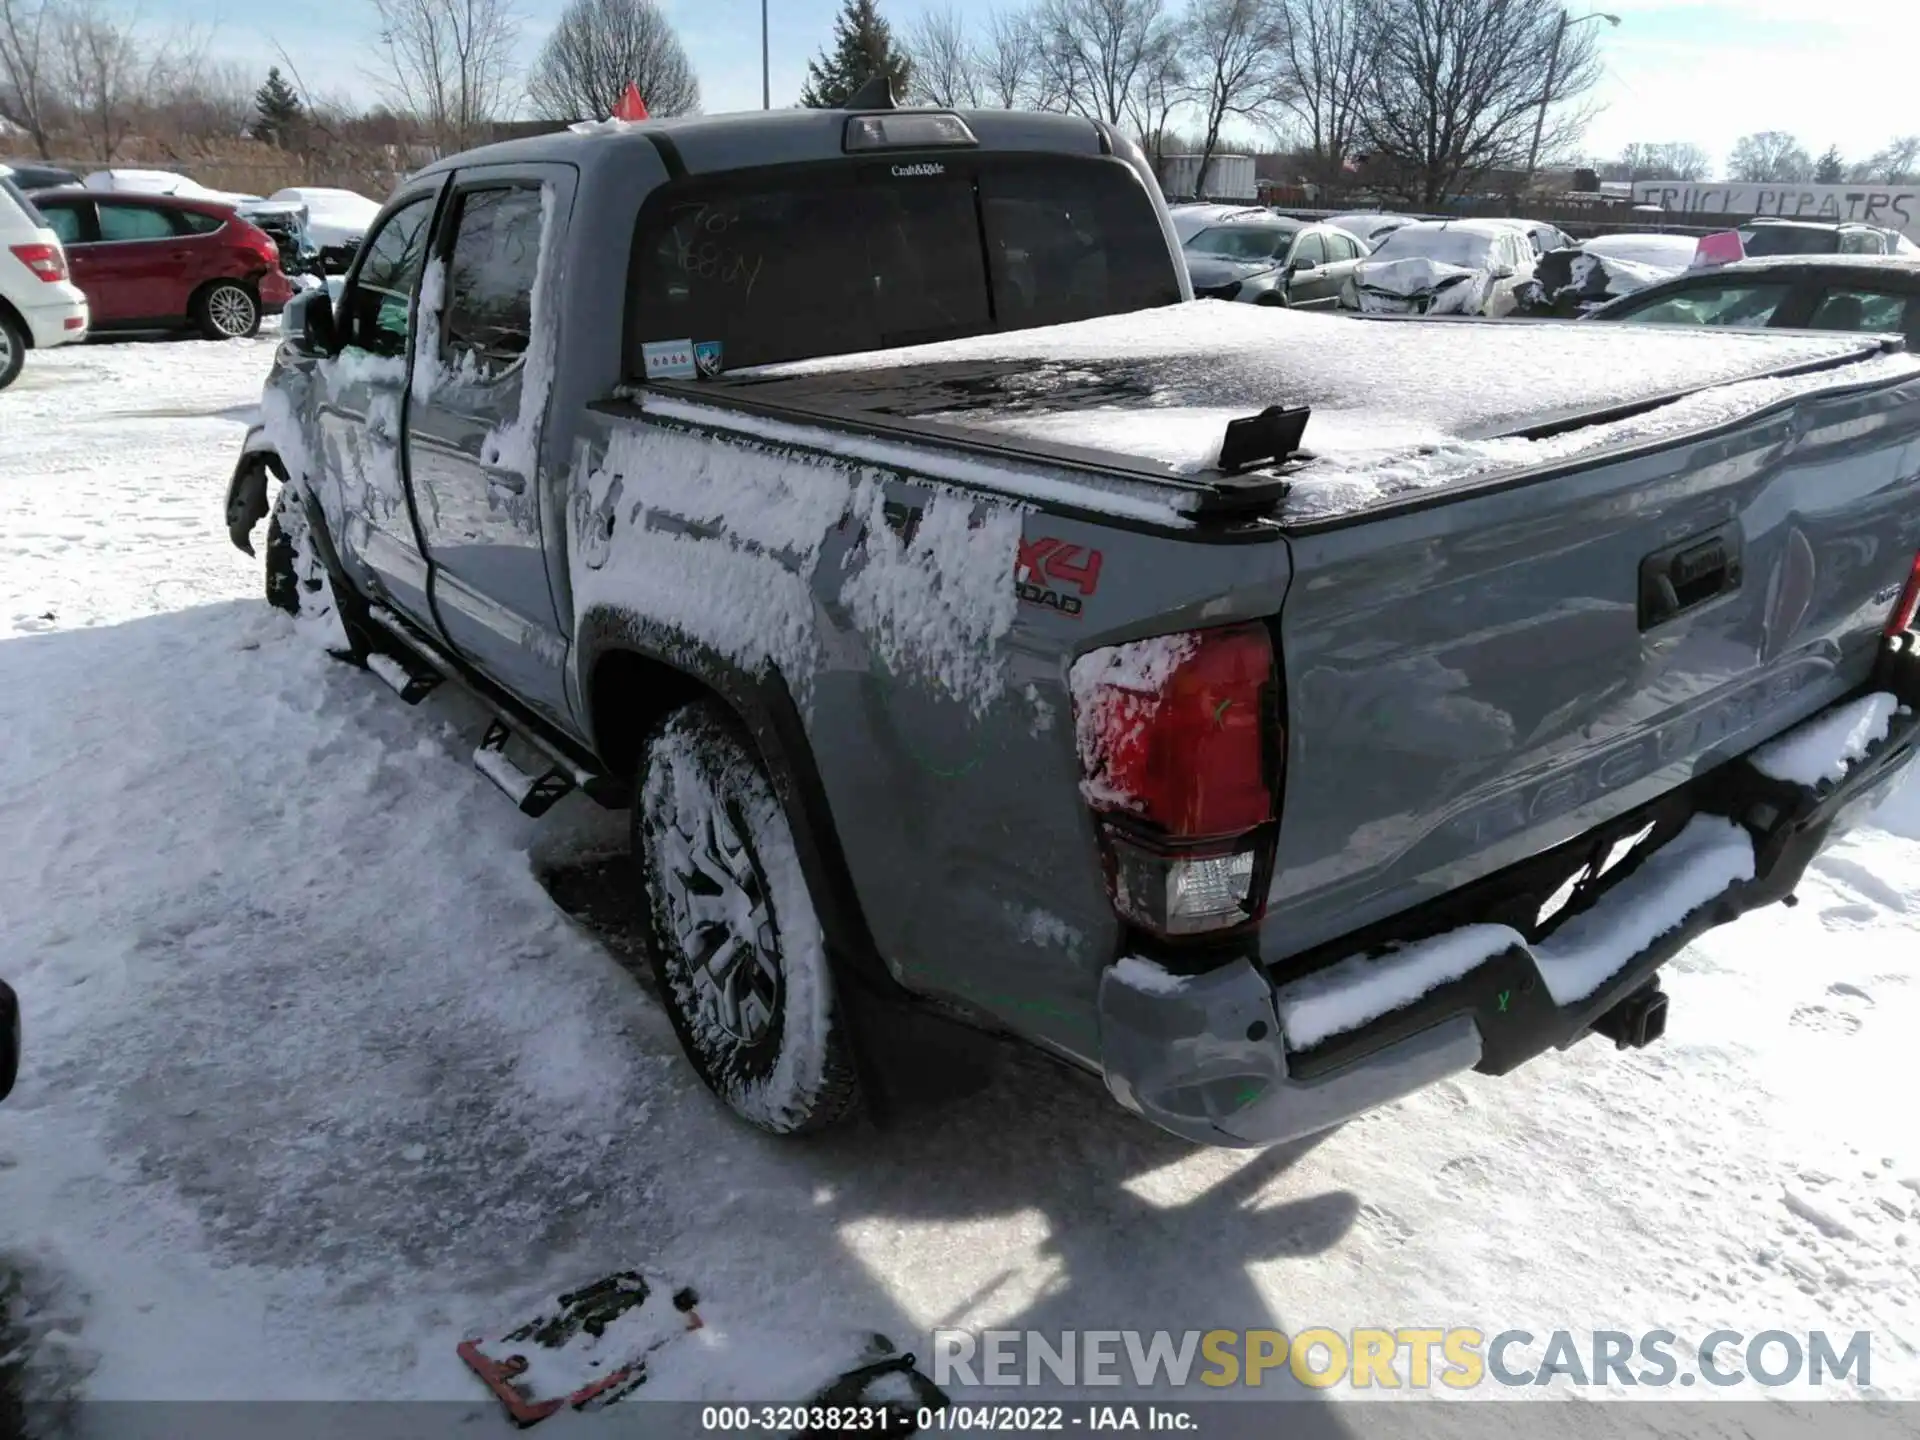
(1323,57)
(1161,88)
(1770,156)
(602,46)
(1235,67)
(27,92)
(1458,88)
(97,68)
(1096,54)
(1898,164)
(1684,160)
(946,71)
(447,62)
(1005,63)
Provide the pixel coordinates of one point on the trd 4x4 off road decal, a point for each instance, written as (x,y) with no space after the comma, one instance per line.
(1046,568)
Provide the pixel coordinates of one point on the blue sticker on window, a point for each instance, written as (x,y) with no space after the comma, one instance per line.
(706,358)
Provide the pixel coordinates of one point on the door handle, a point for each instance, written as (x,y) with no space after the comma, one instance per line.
(498,478)
(1682,576)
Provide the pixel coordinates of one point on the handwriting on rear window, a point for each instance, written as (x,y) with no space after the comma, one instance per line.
(702,248)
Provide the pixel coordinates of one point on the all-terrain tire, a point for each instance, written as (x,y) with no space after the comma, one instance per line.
(736,942)
(227,310)
(298,581)
(13,349)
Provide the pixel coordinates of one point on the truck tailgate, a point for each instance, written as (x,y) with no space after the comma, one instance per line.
(1477,678)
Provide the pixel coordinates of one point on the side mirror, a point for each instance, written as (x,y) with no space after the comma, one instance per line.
(308,323)
(1301,267)
(1503,272)
(9,1038)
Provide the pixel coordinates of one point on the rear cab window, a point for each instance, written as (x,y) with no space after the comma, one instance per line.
(871,255)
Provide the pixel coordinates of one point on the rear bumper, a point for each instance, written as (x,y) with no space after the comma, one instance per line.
(62,320)
(275,291)
(1209,1056)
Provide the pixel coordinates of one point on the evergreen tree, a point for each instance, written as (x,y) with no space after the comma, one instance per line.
(1831,170)
(862,48)
(277,107)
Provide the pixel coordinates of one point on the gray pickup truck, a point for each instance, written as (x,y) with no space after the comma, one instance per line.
(1271,713)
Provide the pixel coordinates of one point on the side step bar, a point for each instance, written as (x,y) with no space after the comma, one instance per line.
(410,685)
(418,668)
(533,794)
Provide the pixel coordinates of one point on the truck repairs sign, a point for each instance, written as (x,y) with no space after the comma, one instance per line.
(1895,207)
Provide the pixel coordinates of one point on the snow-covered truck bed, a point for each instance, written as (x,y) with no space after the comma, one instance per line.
(1272,713)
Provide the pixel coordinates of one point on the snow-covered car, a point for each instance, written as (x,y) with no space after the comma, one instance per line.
(1442,267)
(1670,254)
(286,222)
(1271,261)
(1371,226)
(1190,220)
(40,306)
(1574,281)
(1235,702)
(337,220)
(1543,236)
(161,182)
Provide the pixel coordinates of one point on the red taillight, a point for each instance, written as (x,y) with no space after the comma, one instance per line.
(1180,748)
(1905,608)
(49,262)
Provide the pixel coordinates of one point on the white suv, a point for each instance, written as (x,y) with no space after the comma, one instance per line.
(39,306)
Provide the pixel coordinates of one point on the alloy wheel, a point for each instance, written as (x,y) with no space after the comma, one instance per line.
(231,310)
(724,920)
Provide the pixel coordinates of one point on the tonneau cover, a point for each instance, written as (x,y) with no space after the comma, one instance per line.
(1397,405)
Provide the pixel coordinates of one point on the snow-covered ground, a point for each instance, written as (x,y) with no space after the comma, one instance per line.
(319,1080)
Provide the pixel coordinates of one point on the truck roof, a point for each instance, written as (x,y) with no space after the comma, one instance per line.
(1396,405)
(704,144)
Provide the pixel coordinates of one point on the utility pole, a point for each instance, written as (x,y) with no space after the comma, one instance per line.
(1546,94)
(766,80)
(1553,73)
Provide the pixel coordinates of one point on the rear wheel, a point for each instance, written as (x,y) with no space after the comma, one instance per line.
(226,310)
(13,349)
(737,945)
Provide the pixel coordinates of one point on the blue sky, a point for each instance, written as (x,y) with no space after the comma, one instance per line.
(1708,71)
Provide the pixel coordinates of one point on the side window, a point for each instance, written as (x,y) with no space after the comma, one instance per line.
(64,221)
(1740,305)
(134,222)
(193,222)
(378,308)
(495,260)
(1310,249)
(1866,310)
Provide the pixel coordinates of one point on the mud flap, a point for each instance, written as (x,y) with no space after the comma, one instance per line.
(598,1345)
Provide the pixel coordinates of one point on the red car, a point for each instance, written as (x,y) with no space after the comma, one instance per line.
(157,262)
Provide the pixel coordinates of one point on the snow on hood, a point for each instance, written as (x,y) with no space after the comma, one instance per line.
(334,217)
(1416,275)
